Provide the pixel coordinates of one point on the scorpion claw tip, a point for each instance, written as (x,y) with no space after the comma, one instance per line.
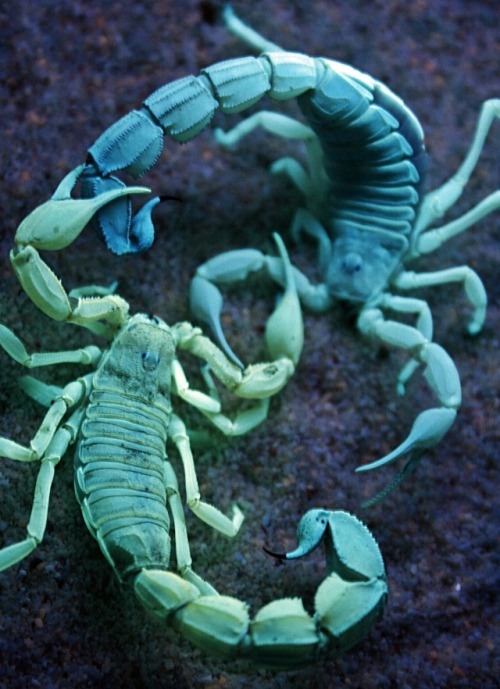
(279,556)
(170,197)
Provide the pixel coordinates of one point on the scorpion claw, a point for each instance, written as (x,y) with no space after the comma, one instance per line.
(428,429)
(285,327)
(56,223)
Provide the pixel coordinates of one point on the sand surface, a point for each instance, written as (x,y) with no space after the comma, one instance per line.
(69,70)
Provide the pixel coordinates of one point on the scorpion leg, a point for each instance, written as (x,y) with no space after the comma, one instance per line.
(431,425)
(282,634)
(313,182)
(286,127)
(182,550)
(304,221)
(70,395)
(41,392)
(245,32)
(435,205)
(196,398)
(204,511)
(48,446)
(16,350)
(431,240)
(437,202)
(473,286)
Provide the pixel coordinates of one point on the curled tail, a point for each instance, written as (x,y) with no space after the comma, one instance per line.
(282,635)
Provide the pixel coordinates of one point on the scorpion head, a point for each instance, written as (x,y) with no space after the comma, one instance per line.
(359,267)
(141,356)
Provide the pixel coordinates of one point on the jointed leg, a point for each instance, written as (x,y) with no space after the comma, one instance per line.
(431,240)
(15,348)
(42,393)
(473,286)
(304,221)
(313,182)
(52,455)
(437,202)
(70,395)
(204,511)
(272,122)
(182,550)
(196,398)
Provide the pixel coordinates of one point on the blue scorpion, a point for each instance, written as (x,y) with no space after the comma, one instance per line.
(365,205)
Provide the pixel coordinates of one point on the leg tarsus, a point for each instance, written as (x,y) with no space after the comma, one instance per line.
(12,554)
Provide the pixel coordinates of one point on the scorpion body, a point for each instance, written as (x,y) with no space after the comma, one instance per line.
(122,417)
(375,159)
(120,459)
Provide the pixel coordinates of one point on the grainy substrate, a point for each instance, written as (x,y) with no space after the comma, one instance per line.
(68,70)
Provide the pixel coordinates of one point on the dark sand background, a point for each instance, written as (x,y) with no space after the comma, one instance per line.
(69,70)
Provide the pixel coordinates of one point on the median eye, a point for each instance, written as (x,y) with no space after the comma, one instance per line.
(352,263)
(150,360)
